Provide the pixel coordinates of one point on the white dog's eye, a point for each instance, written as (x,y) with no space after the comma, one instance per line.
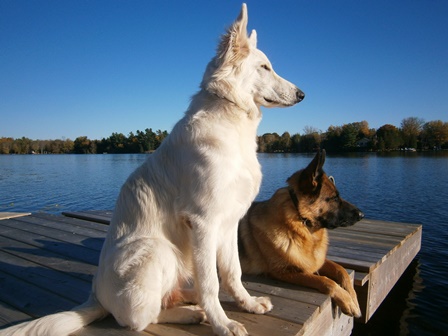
(266,67)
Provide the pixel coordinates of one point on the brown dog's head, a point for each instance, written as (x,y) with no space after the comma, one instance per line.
(317,200)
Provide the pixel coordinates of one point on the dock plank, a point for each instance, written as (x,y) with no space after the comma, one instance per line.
(102,217)
(61,283)
(53,244)
(47,258)
(9,215)
(10,315)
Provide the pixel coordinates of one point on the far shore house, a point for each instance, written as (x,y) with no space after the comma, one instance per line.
(364,142)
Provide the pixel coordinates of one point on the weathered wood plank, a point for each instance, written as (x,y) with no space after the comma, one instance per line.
(72,221)
(75,235)
(356,246)
(283,289)
(47,258)
(357,265)
(10,315)
(361,278)
(68,249)
(60,283)
(385,277)
(369,256)
(8,215)
(369,239)
(30,298)
(65,224)
(386,224)
(94,216)
(286,309)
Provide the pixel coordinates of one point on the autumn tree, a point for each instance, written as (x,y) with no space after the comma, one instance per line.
(410,131)
(268,142)
(83,145)
(160,136)
(435,133)
(363,129)
(6,145)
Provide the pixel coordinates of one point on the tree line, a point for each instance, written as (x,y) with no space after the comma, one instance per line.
(139,142)
(413,134)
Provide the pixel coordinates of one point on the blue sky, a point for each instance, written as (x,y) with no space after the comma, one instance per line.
(82,67)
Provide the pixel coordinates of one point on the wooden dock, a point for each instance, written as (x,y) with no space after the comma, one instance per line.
(47,263)
(379,252)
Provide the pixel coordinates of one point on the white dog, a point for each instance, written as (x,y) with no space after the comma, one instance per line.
(177,215)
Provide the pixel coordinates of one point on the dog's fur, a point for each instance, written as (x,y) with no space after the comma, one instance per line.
(286,236)
(176,216)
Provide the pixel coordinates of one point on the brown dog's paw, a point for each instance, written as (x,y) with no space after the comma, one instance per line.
(348,305)
(352,309)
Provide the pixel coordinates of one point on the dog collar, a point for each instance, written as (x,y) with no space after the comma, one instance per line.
(295,201)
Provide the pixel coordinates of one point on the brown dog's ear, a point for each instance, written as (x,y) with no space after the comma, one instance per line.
(314,171)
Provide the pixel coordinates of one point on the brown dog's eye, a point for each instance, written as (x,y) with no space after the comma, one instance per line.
(333,199)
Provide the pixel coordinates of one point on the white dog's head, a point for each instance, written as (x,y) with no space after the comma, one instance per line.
(243,74)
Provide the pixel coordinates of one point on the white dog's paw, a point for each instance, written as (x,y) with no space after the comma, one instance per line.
(233,328)
(258,305)
(182,315)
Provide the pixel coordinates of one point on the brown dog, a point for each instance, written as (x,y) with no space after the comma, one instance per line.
(286,236)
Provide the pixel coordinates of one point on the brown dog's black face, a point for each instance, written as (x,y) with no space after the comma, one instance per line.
(318,201)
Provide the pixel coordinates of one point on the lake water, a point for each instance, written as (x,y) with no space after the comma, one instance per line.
(400,187)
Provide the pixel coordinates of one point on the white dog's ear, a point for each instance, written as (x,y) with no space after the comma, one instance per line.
(234,45)
(253,39)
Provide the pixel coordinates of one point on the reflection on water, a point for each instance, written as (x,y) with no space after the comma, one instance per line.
(400,187)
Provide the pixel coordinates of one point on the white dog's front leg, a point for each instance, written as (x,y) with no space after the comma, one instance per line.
(230,271)
(207,282)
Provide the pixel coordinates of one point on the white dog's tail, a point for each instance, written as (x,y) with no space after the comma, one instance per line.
(59,324)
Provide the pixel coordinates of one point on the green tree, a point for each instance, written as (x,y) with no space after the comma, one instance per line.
(118,143)
(332,141)
(349,136)
(285,142)
(310,140)
(142,141)
(295,143)
(389,137)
